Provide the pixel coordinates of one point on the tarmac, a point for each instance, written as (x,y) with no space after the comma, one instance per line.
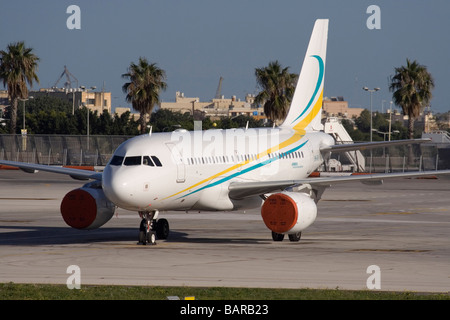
(393,237)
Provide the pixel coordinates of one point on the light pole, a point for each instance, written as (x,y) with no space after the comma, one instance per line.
(390,120)
(23,124)
(371,91)
(386,133)
(87,125)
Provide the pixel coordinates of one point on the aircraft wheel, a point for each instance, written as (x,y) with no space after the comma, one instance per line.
(295,237)
(142,232)
(277,236)
(151,237)
(162,229)
(147,233)
(141,237)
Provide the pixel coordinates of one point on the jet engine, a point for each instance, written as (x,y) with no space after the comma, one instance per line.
(288,212)
(87,207)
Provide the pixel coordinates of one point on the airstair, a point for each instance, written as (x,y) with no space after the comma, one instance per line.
(355,159)
(437,136)
(441,141)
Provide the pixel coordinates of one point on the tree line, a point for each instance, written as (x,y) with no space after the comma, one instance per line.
(49,115)
(411,86)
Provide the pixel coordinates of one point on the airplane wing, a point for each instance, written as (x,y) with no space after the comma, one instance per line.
(370,145)
(240,190)
(78,174)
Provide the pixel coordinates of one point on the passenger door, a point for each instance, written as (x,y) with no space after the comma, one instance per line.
(178,160)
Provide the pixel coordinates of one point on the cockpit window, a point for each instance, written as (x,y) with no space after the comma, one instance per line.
(156,161)
(116,161)
(133,161)
(148,161)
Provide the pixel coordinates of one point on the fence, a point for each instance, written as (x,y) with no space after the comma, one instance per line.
(59,150)
(423,157)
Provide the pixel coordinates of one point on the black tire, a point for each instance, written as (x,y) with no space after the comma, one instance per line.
(141,237)
(162,229)
(143,225)
(277,236)
(151,237)
(295,237)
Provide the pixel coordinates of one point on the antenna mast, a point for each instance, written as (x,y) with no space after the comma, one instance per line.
(219,89)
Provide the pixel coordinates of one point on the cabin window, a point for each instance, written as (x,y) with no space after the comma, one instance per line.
(116,161)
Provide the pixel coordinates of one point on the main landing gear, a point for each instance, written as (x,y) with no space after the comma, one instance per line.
(151,229)
(293,237)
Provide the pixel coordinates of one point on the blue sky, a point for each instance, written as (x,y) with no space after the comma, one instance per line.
(198,41)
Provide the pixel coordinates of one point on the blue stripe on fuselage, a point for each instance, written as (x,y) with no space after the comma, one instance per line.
(256,166)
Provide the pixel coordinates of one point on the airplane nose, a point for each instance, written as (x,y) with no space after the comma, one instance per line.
(118,187)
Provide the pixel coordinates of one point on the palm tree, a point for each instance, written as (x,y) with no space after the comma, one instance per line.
(18,66)
(411,87)
(278,86)
(146,82)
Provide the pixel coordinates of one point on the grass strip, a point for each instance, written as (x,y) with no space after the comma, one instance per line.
(13,291)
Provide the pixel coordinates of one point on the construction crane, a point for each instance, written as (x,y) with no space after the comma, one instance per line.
(68,83)
(219,89)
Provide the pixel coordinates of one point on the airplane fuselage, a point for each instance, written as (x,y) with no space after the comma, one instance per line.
(192,170)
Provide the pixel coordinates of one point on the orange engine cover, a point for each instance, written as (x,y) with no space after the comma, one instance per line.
(86,208)
(288,212)
(279,213)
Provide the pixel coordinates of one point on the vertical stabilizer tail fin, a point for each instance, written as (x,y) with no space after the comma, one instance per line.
(305,111)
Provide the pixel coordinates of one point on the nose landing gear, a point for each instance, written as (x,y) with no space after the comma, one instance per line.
(151,229)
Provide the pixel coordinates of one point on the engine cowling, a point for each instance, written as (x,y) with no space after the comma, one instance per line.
(288,212)
(87,207)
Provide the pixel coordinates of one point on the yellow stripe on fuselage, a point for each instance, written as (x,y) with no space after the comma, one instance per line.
(296,137)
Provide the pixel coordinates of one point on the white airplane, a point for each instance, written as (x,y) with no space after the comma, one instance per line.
(221,170)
